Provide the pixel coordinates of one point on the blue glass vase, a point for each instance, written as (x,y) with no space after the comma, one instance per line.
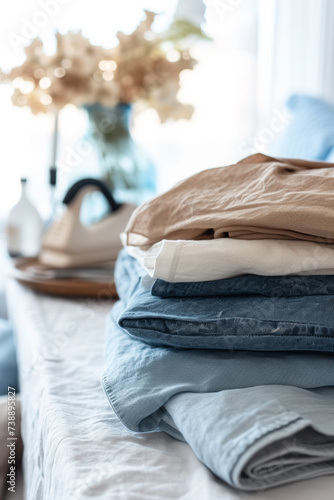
(124,166)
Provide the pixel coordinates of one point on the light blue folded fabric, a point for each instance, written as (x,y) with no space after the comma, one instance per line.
(244,322)
(259,437)
(255,419)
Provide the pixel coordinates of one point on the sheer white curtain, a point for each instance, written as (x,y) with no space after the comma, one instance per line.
(296,51)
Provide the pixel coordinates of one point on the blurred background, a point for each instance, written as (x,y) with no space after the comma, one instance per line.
(254,56)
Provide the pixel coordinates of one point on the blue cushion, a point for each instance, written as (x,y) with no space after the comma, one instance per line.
(8,365)
(330,157)
(310,134)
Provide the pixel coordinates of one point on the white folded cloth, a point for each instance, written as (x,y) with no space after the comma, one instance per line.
(206,260)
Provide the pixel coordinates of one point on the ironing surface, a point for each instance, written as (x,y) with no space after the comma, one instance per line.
(87,452)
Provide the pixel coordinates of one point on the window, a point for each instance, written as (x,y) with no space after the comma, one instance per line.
(222,88)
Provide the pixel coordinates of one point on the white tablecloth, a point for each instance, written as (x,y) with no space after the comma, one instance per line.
(75,447)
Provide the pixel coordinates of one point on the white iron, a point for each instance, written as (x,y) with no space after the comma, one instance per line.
(69,243)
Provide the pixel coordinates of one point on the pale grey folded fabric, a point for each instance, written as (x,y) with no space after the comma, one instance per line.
(258,437)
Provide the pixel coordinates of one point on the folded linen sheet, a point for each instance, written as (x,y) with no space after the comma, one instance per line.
(244,322)
(260,197)
(192,260)
(256,419)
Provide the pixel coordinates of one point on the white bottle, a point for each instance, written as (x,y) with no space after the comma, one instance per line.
(24,227)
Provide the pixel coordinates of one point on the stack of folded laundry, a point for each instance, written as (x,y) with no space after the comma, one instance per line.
(224,332)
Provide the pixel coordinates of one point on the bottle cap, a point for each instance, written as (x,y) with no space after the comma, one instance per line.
(23,180)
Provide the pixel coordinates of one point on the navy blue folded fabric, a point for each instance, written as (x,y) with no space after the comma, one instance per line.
(250,284)
(246,322)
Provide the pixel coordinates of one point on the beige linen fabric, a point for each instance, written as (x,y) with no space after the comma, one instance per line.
(258,198)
